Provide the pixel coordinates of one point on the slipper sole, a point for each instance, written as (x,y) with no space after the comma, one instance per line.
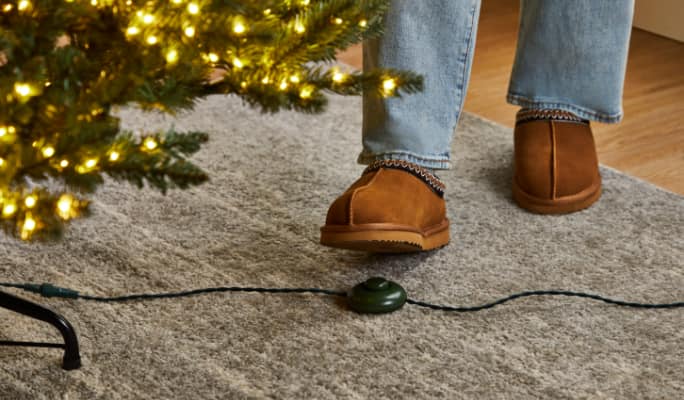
(385,238)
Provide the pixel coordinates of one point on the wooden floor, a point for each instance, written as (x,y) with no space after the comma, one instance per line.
(648,143)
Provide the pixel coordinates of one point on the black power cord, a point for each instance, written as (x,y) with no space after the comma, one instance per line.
(49,290)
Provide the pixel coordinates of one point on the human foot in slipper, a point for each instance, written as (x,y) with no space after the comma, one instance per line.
(395,206)
(556,168)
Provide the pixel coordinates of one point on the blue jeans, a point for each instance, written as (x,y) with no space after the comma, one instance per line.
(571,55)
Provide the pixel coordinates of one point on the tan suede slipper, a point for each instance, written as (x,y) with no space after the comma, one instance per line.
(395,206)
(555,165)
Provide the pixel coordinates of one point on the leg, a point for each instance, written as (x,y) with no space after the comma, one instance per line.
(436,39)
(397,205)
(569,70)
(572,56)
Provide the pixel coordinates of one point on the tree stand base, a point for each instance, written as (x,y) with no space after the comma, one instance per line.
(72,357)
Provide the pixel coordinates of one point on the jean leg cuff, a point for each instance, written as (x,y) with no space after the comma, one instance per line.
(555,104)
(432,161)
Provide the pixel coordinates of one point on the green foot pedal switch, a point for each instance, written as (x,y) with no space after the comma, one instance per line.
(376,295)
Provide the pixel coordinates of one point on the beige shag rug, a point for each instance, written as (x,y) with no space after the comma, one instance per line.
(256,224)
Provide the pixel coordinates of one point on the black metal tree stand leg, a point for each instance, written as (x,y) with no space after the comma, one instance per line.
(72,357)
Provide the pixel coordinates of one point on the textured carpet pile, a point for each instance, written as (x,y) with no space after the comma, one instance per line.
(256,224)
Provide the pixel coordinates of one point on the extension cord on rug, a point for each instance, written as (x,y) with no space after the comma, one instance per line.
(375,295)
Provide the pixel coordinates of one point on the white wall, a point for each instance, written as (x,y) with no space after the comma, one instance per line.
(664,17)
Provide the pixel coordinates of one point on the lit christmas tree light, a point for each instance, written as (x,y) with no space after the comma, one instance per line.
(78,59)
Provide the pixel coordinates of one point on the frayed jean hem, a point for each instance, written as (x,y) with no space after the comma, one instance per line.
(433,161)
(554,104)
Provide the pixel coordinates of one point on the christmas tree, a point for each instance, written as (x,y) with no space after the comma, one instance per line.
(66,65)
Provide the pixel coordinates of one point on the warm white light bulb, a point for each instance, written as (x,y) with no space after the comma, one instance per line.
(306,93)
(172,56)
(48,151)
(150,143)
(64,205)
(389,84)
(30,201)
(239,28)
(22,89)
(29,224)
(9,209)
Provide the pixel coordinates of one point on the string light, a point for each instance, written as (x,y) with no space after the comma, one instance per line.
(363,23)
(23,5)
(22,89)
(86,167)
(48,151)
(9,209)
(306,92)
(193,8)
(150,143)
(213,57)
(189,31)
(238,63)
(64,206)
(338,21)
(132,30)
(338,77)
(30,201)
(388,86)
(28,227)
(64,163)
(152,39)
(172,56)
(239,28)
(29,224)
(299,28)
(114,156)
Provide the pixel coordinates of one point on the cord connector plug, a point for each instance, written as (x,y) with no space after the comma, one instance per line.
(50,290)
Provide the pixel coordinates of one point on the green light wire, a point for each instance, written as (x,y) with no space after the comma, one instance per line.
(49,290)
